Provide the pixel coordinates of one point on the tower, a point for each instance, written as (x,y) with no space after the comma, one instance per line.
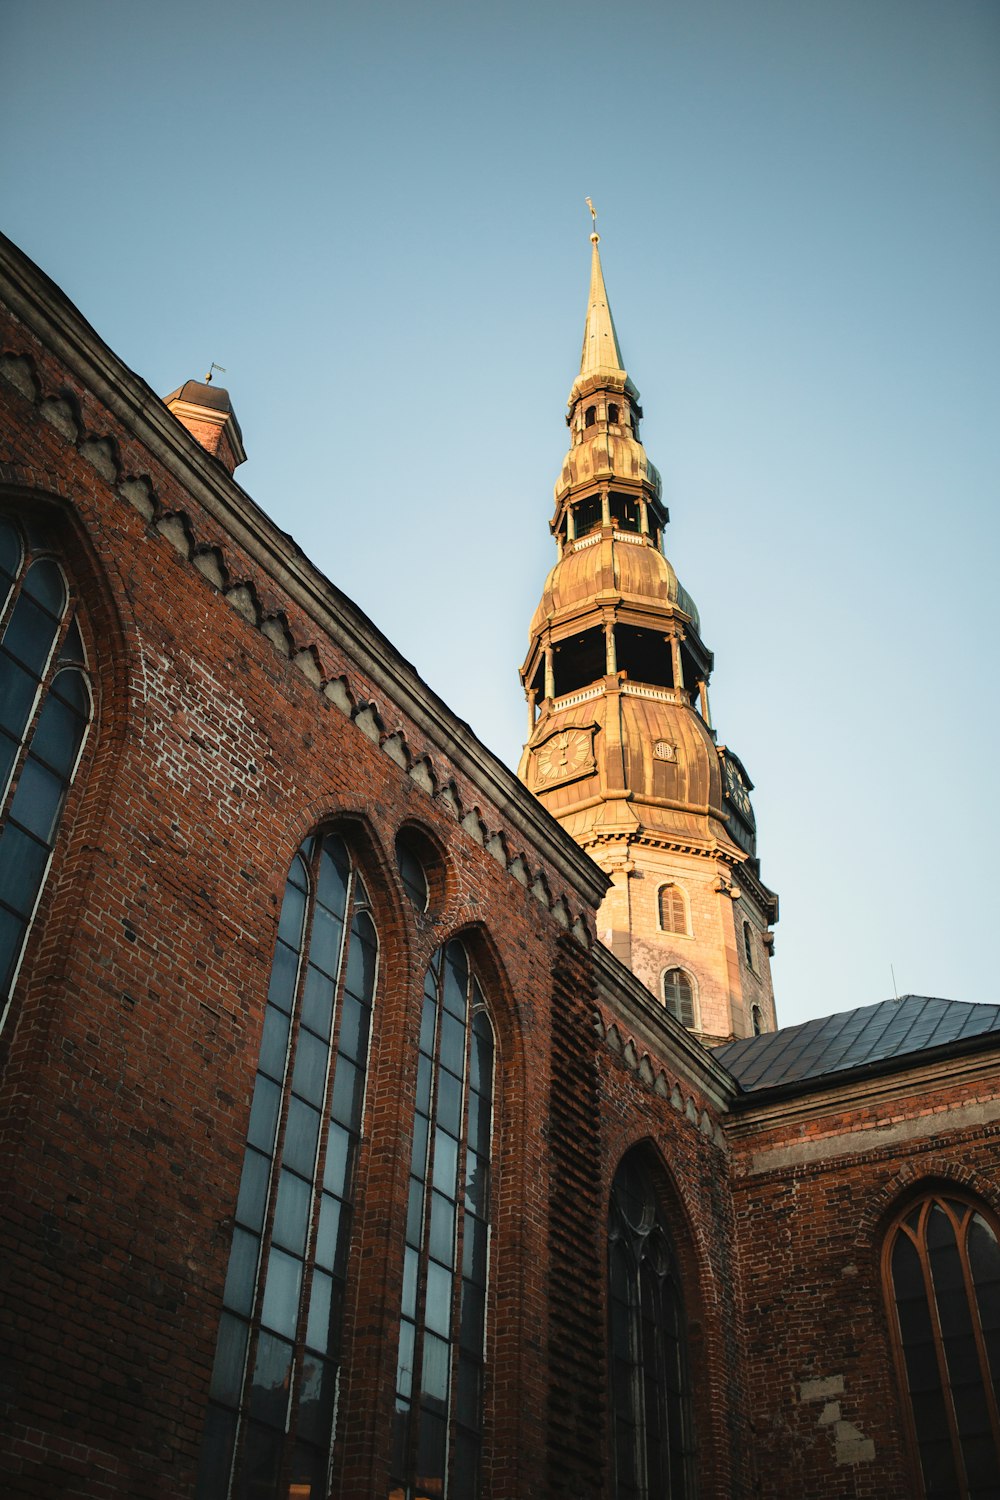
(620,745)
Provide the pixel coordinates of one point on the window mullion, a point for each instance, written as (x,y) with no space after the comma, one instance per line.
(274,1175)
(985,1375)
(939,1353)
(458,1247)
(44,675)
(639,1381)
(423,1261)
(319,1163)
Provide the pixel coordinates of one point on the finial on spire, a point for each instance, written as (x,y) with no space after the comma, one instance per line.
(595,237)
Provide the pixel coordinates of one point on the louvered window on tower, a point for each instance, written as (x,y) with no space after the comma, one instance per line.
(45,710)
(941,1271)
(678,995)
(673,909)
(437,1428)
(269,1429)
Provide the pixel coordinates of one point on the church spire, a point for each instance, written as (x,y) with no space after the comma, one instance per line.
(601,351)
(620,745)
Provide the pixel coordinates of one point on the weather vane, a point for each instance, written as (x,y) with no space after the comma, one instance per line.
(593,214)
(213,366)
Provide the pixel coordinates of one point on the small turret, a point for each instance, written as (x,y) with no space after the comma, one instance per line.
(207,413)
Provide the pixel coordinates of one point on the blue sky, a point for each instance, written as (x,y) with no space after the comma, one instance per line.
(373,217)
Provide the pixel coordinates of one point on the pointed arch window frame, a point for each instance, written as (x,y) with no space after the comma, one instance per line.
(436,1448)
(650,1361)
(935,1377)
(282,1322)
(46,713)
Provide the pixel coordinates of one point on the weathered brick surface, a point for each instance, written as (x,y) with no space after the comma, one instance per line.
(814,1187)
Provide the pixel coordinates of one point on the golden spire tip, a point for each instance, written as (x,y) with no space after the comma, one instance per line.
(595,237)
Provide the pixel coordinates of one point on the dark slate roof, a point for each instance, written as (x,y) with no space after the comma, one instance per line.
(871,1034)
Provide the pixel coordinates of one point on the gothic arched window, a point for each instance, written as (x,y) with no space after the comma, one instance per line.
(650,1389)
(941,1269)
(45,709)
(437,1426)
(757,1017)
(673,909)
(678,995)
(274,1382)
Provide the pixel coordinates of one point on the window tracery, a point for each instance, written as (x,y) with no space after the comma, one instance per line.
(270,1422)
(941,1272)
(45,712)
(437,1426)
(650,1387)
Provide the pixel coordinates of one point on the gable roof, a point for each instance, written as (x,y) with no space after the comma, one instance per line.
(853,1039)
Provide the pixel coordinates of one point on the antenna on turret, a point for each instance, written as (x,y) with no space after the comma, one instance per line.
(895,991)
(213,366)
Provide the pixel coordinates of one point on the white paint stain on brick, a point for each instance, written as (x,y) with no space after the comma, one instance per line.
(849,1442)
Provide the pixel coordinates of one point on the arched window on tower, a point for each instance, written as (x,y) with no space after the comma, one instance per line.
(437,1429)
(612,412)
(678,995)
(270,1421)
(757,1018)
(673,909)
(650,1386)
(748,944)
(45,711)
(590,416)
(941,1273)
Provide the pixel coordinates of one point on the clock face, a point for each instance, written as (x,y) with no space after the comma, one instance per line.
(737,792)
(564,755)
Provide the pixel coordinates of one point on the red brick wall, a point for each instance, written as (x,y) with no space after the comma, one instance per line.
(813,1189)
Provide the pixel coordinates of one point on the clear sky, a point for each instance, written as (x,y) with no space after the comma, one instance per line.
(372,215)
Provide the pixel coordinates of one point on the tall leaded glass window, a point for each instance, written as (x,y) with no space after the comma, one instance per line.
(45,708)
(652,1447)
(437,1427)
(942,1273)
(269,1431)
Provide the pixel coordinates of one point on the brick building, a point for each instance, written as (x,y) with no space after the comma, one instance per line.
(340,1157)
